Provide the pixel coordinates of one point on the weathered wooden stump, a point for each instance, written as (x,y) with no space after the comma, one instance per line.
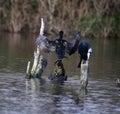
(84,73)
(39,63)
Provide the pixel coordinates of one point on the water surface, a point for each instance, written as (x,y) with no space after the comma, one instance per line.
(21,96)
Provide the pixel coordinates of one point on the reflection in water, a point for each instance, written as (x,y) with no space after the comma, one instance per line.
(34,87)
(61,97)
(82,97)
(34,84)
(14,50)
(21,96)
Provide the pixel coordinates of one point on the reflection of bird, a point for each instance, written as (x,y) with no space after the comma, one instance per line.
(84,50)
(118,82)
(60,46)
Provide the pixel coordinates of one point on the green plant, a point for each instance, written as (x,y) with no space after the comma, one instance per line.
(34,4)
(8,4)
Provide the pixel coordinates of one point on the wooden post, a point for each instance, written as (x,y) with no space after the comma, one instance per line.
(28,68)
(42,27)
(38,63)
(84,74)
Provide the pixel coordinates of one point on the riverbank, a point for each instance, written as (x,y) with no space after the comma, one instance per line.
(93,18)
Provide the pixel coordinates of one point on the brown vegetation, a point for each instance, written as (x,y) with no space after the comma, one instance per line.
(93,17)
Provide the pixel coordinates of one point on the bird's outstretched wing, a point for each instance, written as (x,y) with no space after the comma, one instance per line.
(73,46)
(45,44)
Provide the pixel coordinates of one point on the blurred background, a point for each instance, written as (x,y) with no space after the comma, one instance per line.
(93,17)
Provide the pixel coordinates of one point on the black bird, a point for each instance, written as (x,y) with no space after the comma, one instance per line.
(60,46)
(84,50)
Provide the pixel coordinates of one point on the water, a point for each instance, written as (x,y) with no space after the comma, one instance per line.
(19,96)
